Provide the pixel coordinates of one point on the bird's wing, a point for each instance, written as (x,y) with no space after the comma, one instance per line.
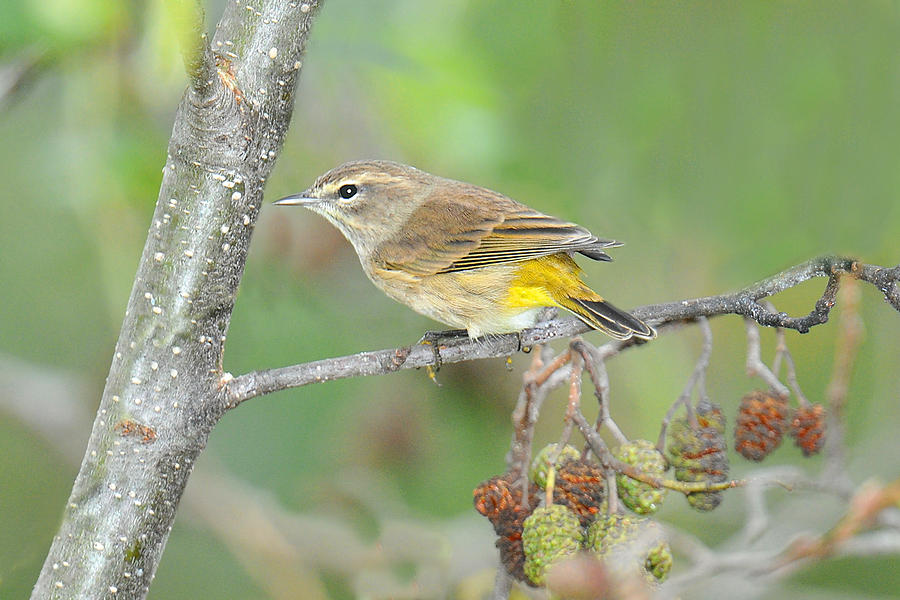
(475,227)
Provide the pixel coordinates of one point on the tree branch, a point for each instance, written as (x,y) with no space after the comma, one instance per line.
(745,302)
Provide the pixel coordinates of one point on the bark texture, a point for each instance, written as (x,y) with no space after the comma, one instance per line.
(165,387)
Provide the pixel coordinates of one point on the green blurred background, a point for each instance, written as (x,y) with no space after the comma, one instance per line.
(722,141)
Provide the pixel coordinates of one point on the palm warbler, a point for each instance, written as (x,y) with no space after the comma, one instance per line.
(462,254)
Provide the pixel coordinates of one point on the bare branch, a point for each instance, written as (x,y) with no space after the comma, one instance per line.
(886,280)
(755,364)
(782,352)
(870,500)
(538,381)
(697,379)
(503,583)
(744,302)
(596,369)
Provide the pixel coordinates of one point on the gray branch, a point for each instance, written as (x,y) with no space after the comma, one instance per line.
(745,302)
(164,392)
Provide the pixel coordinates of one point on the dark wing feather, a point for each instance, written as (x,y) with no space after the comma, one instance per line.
(480,228)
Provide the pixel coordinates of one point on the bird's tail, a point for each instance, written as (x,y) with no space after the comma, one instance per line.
(600,314)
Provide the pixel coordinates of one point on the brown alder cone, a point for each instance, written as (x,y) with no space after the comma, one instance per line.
(761,422)
(808,428)
(580,486)
(501,502)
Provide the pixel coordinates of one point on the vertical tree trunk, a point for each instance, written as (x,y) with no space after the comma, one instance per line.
(164,392)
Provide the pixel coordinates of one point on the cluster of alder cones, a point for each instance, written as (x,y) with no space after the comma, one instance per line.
(763,419)
(532,536)
(574,516)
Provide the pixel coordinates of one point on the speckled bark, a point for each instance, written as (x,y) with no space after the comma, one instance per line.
(164,393)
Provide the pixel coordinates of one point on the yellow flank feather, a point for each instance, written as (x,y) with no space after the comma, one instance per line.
(547,281)
(555,280)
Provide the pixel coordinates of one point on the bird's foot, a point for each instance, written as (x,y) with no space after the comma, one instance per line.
(437,340)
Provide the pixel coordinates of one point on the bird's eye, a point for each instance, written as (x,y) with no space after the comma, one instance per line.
(347,191)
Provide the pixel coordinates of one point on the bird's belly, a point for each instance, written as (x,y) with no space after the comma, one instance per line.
(476,300)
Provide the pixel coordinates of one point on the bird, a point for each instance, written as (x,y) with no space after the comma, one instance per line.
(462,254)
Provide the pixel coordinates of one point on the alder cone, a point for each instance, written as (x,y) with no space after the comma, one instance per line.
(549,534)
(762,419)
(638,496)
(581,487)
(512,553)
(628,540)
(501,502)
(808,428)
(709,414)
(698,454)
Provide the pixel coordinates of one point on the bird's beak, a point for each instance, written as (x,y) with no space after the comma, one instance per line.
(298,200)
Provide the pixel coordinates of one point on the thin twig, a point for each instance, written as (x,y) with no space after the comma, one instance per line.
(758,520)
(703,361)
(781,351)
(520,448)
(572,406)
(596,369)
(755,364)
(697,379)
(538,381)
(612,493)
(867,503)
(574,401)
(502,585)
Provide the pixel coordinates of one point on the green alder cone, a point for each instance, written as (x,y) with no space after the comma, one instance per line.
(549,534)
(698,454)
(613,537)
(638,496)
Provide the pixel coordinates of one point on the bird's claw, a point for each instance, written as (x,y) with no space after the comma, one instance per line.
(437,340)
